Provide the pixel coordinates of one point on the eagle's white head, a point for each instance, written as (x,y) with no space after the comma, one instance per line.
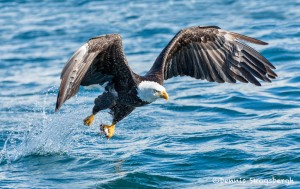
(149,91)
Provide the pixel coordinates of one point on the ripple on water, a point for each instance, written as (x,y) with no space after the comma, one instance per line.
(142,180)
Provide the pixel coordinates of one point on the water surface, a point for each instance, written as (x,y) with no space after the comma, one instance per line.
(205,133)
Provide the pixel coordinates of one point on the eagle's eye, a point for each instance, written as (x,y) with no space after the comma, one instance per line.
(155,91)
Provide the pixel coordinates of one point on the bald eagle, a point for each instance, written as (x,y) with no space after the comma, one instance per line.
(206,53)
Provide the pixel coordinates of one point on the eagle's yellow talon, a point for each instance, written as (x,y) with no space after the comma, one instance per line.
(89,120)
(108,130)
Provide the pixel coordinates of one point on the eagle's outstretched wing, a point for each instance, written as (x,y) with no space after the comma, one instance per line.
(213,54)
(99,60)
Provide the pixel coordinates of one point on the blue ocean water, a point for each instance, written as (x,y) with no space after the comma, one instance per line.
(207,136)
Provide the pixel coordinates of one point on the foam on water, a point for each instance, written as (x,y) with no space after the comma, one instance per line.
(45,135)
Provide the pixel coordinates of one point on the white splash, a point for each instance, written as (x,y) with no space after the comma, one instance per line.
(45,134)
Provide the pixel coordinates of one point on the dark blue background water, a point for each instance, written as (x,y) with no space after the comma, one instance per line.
(205,133)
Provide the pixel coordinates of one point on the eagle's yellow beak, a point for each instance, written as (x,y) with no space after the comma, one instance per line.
(164,95)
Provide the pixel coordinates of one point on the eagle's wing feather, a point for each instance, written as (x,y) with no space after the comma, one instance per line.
(212,54)
(99,60)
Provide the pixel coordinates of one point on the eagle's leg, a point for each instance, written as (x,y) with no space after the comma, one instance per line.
(89,120)
(119,112)
(102,102)
(108,130)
